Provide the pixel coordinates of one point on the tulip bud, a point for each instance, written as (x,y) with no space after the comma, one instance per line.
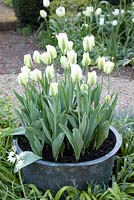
(64,62)
(101,22)
(36,75)
(60,12)
(84,88)
(46,3)
(108,67)
(98,11)
(23,79)
(86,60)
(88,43)
(28,60)
(92,78)
(25,69)
(46,59)
(50,72)
(37,57)
(107,99)
(89,11)
(101,62)
(116,12)
(76,73)
(51,51)
(62,41)
(72,57)
(53,91)
(114,23)
(43,14)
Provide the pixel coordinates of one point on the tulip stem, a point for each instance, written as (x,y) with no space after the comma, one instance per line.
(78,102)
(21,182)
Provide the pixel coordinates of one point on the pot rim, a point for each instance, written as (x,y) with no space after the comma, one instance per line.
(91,162)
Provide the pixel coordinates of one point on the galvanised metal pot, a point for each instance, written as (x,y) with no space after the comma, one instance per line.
(51,175)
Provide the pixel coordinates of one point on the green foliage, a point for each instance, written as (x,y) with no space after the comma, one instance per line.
(25,31)
(8,3)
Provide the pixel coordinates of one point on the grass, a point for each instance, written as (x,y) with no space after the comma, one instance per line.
(122,186)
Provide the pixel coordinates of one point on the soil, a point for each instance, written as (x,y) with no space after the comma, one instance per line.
(68,155)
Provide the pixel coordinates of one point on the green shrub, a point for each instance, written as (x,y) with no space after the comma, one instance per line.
(27,11)
(25,31)
(8,3)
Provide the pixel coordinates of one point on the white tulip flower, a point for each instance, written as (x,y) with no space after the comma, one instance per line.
(88,43)
(50,73)
(98,11)
(46,3)
(133,20)
(60,12)
(70,46)
(46,59)
(122,11)
(43,14)
(108,67)
(76,73)
(116,12)
(101,62)
(62,41)
(51,51)
(37,57)
(102,19)
(92,78)
(72,57)
(53,90)
(107,99)
(28,60)
(23,79)
(64,62)
(114,23)
(89,11)
(25,69)
(86,59)
(36,75)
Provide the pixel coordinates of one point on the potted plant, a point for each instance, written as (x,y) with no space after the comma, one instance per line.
(66,137)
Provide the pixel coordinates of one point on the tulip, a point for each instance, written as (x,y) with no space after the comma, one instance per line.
(50,72)
(92,78)
(53,90)
(108,67)
(84,88)
(86,60)
(37,57)
(76,73)
(133,20)
(43,14)
(70,46)
(114,23)
(25,69)
(72,57)
(51,51)
(98,11)
(89,11)
(23,79)
(101,62)
(46,3)
(62,41)
(60,12)
(46,59)
(88,43)
(64,62)
(36,75)
(28,60)
(107,98)
(116,12)
(101,22)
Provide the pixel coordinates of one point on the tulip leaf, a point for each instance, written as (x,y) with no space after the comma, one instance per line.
(56,145)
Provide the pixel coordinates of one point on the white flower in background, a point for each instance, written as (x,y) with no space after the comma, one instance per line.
(46,3)
(89,11)
(101,20)
(19,164)
(116,12)
(114,23)
(50,73)
(88,43)
(133,20)
(85,25)
(60,12)
(46,59)
(43,14)
(64,62)
(11,157)
(76,73)
(98,11)
(23,79)
(25,69)
(36,75)
(86,59)
(84,88)
(72,57)
(107,99)
(62,41)
(37,57)
(70,46)
(28,60)
(108,67)
(51,51)
(53,90)
(122,11)
(133,4)
(101,62)
(92,78)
